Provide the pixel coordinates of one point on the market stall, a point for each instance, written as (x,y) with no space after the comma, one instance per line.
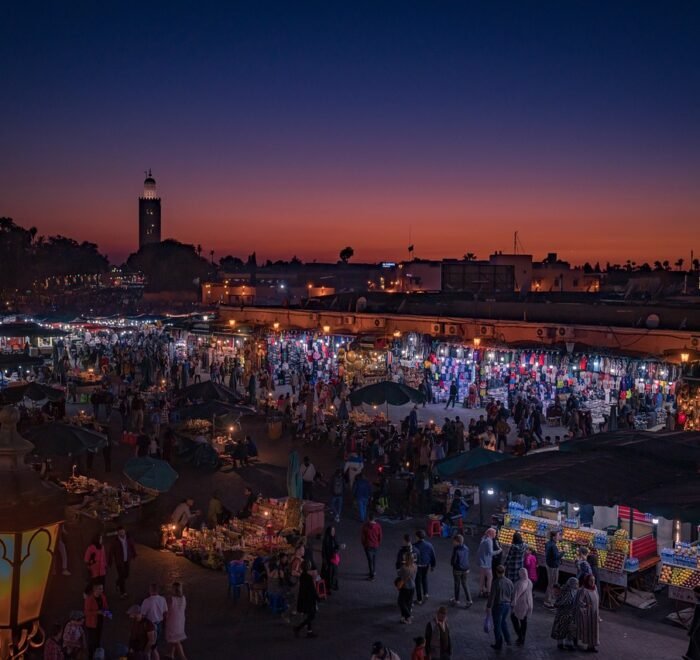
(269,530)
(680,571)
(618,556)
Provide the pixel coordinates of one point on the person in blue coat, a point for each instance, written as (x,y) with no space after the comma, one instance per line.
(426,562)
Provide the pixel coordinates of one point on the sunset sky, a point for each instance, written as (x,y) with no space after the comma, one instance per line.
(301,127)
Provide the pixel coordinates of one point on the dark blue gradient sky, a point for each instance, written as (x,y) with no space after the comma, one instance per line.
(299,127)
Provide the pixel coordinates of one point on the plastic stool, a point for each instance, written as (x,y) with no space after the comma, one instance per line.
(434,528)
(321,589)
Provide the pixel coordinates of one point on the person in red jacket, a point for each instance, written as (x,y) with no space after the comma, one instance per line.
(371,540)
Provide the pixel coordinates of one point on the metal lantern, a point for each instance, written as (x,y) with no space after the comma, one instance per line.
(31,513)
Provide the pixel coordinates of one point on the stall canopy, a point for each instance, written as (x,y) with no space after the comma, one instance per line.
(29,330)
(151,473)
(32,391)
(208,391)
(58,439)
(459,466)
(643,476)
(211,409)
(388,392)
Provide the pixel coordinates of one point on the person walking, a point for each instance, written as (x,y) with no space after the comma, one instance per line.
(371,538)
(308,474)
(155,609)
(330,558)
(514,560)
(426,562)
(460,571)
(95,608)
(142,636)
(587,619)
(552,558)
(485,556)
(175,623)
(564,626)
(337,492)
(453,395)
(406,548)
(121,554)
(521,605)
(693,652)
(96,560)
(381,652)
(498,604)
(307,602)
(406,584)
(438,641)
(362,491)
(530,563)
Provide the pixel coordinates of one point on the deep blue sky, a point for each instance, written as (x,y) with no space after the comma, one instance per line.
(300,127)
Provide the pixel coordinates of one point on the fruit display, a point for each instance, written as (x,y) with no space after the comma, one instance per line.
(578,536)
(505,535)
(614,561)
(679,577)
(570,551)
(683,554)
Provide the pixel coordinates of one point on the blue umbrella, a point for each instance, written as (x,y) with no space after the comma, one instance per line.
(294,488)
(151,473)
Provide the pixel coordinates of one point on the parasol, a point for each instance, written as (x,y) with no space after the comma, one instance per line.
(151,473)
(389,392)
(58,439)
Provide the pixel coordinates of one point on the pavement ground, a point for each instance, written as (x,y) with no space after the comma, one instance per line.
(352,618)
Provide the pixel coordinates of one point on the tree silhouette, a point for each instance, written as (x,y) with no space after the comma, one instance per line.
(679,263)
(658,265)
(346,254)
(469,256)
(696,264)
(666,264)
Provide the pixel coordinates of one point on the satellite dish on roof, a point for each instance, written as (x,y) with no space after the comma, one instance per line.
(361,304)
(653,321)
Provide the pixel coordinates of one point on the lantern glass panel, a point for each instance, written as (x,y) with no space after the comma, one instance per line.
(38,546)
(7,555)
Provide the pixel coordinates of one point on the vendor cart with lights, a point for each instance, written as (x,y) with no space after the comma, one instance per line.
(623,563)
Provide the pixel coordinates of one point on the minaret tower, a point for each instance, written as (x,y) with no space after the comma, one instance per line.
(149,213)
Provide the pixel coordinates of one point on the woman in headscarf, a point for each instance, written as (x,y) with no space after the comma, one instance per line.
(330,558)
(564,626)
(514,561)
(521,606)
(587,621)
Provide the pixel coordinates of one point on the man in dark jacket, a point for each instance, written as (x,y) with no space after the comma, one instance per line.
(460,570)
(426,561)
(405,550)
(552,558)
(438,641)
(121,553)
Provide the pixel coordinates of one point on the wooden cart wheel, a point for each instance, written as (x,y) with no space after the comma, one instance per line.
(613,597)
(646,580)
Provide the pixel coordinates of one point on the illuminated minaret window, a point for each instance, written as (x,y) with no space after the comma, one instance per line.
(149,213)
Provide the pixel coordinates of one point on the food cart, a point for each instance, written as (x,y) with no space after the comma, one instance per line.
(620,565)
(680,570)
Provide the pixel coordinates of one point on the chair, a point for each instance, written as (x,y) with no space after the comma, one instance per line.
(236,578)
(321,589)
(276,602)
(434,528)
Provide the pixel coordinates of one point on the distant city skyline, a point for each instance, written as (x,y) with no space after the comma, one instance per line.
(297,129)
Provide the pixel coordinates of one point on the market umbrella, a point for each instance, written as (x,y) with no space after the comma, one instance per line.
(232,418)
(294,488)
(59,439)
(151,473)
(459,466)
(389,392)
(208,391)
(33,391)
(206,410)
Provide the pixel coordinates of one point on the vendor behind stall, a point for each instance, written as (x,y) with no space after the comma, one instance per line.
(247,510)
(183,516)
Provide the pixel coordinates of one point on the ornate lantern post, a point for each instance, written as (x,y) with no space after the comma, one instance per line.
(30,517)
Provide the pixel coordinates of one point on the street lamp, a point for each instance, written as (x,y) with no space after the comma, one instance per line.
(30,518)
(685,357)
(477,342)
